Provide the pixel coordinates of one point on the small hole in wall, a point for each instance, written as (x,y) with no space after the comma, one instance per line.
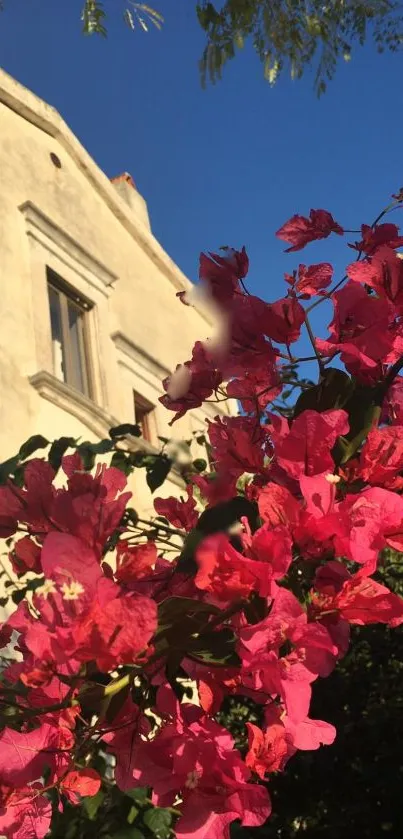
(55,160)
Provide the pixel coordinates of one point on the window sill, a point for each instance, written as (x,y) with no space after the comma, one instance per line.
(73,402)
(95,418)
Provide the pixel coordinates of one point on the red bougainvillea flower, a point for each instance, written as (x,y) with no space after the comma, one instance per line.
(134,561)
(26,556)
(195,757)
(289,676)
(180,513)
(354,598)
(394,402)
(299,230)
(129,727)
(305,448)
(221,273)
(227,575)
(24,813)
(374,237)
(268,750)
(80,782)
(256,388)
(381,457)
(359,330)
(383,273)
(311,279)
(277,506)
(192,383)
(116,632)
(239,444)
(282,320)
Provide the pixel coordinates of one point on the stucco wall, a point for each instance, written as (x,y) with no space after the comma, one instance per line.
(73,220)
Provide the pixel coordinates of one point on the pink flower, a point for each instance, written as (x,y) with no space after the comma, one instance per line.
(359,330)
(195,757)
(268,750)
(358,600)
(281,321)
(375,237)
(24,813)
(133,562)
(311,279)
(181,514)
(221,274)
(226,574)
(306,448)
(299,230)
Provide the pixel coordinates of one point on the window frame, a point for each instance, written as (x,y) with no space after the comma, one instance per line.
(68,296)
(145,422)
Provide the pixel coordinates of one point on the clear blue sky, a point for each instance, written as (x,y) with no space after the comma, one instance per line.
(227,165)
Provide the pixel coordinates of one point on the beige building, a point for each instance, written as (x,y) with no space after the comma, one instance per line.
(90,321)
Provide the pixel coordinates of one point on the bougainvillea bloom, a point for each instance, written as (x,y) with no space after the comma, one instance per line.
(124,637)
(299,230)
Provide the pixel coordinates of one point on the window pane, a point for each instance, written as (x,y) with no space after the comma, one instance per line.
(142,414)
(76,348)
(59,361)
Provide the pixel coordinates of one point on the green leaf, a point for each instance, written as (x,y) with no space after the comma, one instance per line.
(58,450)
(8,468)
(200,464)
(333,391)
(87,456)
(132,814)
(159,821)
(32,445)
(128,833)
(158,471)
(121,431)
(216,647)
(120,460)
(139,795)
(18,595)
(92,804)
(18,478)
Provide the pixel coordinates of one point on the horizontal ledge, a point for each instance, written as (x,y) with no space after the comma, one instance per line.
(73,402)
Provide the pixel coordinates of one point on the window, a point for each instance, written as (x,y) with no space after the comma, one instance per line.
(68,315)
(143,411)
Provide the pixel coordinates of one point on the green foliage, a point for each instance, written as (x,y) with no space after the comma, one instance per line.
(135,15)
(159,821)
(157,469)
(290,35)
(112,814)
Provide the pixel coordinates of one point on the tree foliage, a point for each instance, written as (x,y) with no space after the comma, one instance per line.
(291,35)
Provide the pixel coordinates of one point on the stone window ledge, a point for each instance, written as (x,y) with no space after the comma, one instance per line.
(73,402)
(95,418)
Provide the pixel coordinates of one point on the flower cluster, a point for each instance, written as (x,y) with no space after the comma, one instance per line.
(281,544)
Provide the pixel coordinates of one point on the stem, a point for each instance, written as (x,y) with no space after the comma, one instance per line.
(155,524)
(318,356)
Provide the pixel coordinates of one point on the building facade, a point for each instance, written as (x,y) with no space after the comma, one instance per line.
(90,321)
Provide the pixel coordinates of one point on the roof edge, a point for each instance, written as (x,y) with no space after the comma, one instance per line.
(24,102)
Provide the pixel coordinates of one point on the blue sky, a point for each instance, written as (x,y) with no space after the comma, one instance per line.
(227,165)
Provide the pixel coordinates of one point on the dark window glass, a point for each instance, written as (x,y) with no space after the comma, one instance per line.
(69,340)
(142,413)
